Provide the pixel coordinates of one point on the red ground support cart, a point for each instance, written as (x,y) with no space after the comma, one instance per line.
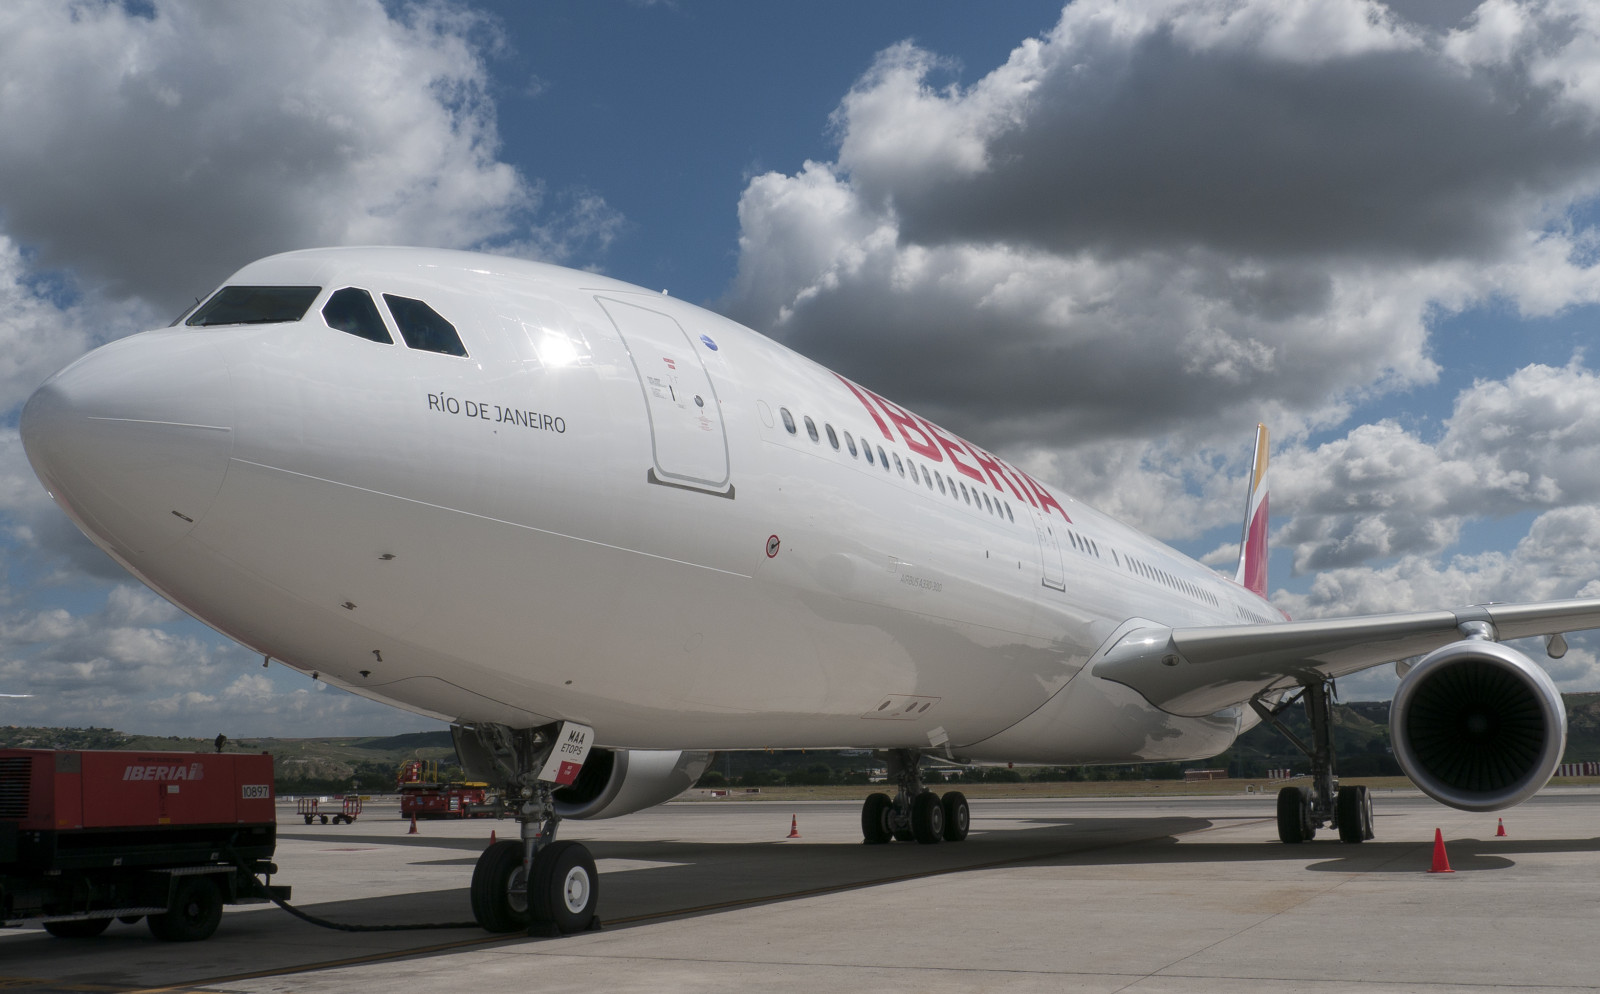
(86,837)
(423,795)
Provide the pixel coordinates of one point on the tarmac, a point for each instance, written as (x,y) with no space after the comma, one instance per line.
(1169,894)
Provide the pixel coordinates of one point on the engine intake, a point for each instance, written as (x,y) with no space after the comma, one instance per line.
(621,781)
(1478,725)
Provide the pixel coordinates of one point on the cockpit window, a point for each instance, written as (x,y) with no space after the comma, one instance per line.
(351,310)
(422,327)
(255,305)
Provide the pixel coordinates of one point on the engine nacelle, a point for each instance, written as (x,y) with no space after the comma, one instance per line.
(618,782)
(1478,726)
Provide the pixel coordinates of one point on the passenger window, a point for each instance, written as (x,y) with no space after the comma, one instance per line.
(811,428)
(1009,516)
(988,506)
(940,478)
(926,478)
(833,439)
(964,495)
(352,311)
(788,420)
(899,465)
(850,443)
(883,459)
(255,305)
(423,328)
(867,449)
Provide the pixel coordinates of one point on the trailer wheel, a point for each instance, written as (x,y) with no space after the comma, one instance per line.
(82,928)
(195,913)
(308,819)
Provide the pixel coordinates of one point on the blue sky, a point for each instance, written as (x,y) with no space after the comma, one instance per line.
(1103,239)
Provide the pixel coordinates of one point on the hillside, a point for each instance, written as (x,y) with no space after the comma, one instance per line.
(322,764)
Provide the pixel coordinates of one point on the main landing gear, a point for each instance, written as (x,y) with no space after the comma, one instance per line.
(535,883)
(1301,810)
(915,812)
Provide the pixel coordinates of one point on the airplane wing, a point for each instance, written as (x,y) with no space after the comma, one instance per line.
(1199,671)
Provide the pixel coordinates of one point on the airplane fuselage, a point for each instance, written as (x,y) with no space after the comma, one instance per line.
(617,509)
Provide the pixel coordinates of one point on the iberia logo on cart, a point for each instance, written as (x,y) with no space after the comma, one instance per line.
(136,771)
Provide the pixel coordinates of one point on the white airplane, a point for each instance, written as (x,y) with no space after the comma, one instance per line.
(602,531)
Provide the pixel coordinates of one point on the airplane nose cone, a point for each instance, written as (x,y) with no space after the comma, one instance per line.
(133,439)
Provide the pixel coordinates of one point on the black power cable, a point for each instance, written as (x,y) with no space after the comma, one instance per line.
(262,890)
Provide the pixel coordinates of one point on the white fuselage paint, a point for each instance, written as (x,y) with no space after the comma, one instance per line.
(555,528)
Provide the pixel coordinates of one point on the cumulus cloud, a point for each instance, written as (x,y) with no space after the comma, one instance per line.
(1528,442)
(119,666)
(1176,218)
(153,154)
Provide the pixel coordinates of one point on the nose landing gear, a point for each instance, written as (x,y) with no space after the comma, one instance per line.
(534,883)
(915,812)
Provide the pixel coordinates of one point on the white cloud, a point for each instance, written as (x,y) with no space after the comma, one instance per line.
(1529,442)
(152,155)
(1169,218)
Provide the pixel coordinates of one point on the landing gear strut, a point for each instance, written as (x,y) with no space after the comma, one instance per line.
(533,883)
(1301,810)
(915,812)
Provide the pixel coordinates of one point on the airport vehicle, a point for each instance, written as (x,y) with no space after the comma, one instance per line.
(424,795)
(602,531)
(89,836)
(345,809)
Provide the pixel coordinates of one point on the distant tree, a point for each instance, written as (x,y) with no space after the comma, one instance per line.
(762,778)
(712,779)
(1001,774)
(814,775)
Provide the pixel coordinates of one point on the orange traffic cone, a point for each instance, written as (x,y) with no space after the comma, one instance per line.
(1441,862)
(413,826)
(1500,829)
(794,827)
(491,837)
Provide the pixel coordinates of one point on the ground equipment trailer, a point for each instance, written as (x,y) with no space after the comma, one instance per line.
(86,837)
(424,795)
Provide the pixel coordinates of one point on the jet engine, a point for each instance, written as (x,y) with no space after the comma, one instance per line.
(1478,725)
(621,781)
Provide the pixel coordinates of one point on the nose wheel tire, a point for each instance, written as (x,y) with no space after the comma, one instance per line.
(500,889)
(957,816)
(566,887)
(1355,814)
(927,818)
(875,828)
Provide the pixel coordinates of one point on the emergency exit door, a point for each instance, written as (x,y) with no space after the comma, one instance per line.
(687,436)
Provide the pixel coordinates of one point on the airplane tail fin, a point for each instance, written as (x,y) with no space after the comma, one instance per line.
(1252,572)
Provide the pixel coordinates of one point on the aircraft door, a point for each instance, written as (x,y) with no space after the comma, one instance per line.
(687,434)
(1053,575)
